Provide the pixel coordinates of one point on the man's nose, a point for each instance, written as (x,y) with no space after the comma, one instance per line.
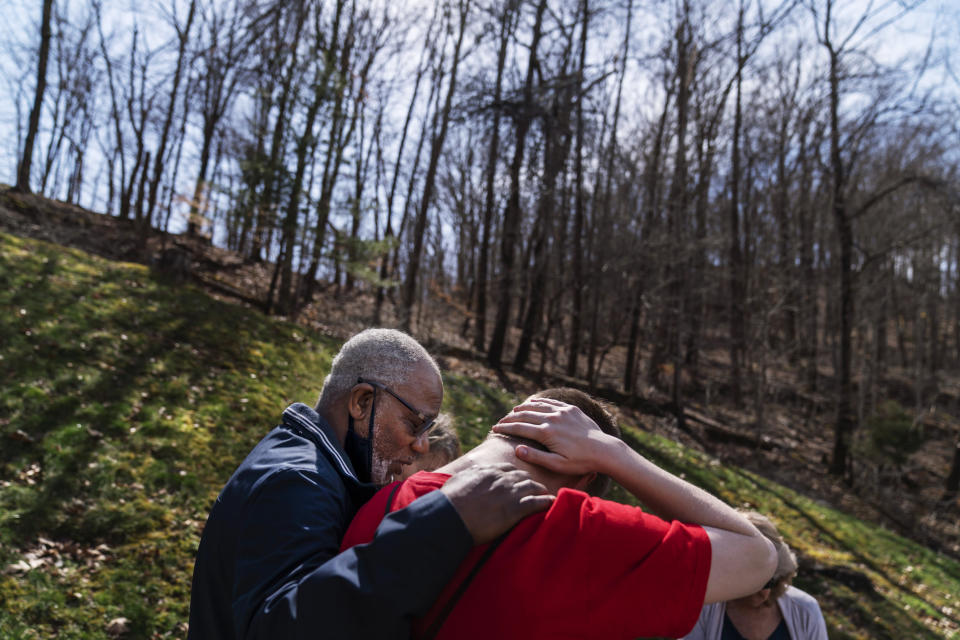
(420,444)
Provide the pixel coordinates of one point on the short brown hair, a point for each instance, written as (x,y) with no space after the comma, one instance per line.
(596,411)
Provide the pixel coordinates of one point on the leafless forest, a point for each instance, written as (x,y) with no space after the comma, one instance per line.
(758,184)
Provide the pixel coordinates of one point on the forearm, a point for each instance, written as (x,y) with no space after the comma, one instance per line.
(742,559)
(368,590)
(670,497)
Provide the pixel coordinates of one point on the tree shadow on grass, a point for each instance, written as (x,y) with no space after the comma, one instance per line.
(879,615)
(51,432)
(84,378)
(874,605)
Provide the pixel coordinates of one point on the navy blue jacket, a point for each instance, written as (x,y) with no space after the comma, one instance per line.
(269,565)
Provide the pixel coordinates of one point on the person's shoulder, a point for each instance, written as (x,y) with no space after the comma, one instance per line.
(419,484)
(292,476)
(574,499)
(800,598)
(428,480)
(590,512)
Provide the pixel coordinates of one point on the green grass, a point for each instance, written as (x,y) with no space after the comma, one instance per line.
(126,403)
(915,590)
(124,406)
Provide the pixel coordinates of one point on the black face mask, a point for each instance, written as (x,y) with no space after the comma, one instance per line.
(360,449)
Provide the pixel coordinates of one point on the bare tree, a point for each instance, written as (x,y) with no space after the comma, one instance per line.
(577,284)
(839,47)
(507,18)
(425,53)
(436,148)
(161,156)
(225,44)
(23,169)
(523,119)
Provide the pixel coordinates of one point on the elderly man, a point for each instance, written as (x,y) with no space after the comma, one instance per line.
(587,568)
(269,565)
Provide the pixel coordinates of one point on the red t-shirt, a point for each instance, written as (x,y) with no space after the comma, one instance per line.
(585,568)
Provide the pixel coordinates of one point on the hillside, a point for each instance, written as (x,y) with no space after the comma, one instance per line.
(783,430)
(126,402)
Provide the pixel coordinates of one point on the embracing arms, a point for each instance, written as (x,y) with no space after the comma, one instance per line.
(742,559)
(292,580)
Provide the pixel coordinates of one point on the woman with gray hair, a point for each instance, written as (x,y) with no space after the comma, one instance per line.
(778,611)
(444,448)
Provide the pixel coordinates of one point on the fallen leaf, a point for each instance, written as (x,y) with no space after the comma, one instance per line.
(118,626)
(21,436)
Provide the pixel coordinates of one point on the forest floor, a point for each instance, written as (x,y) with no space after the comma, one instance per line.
(82,452)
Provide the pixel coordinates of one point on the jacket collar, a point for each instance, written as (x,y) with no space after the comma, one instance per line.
(308,423)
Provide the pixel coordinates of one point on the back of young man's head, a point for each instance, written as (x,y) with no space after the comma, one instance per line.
(596,411)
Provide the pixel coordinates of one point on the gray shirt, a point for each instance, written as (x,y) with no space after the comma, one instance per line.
(799,609)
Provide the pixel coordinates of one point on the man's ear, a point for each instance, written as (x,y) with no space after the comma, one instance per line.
(360,401)
(585,481)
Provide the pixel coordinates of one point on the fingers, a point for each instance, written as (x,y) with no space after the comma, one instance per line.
(533,504)
(544,401)
(528,416)
(545,459)
(492,498)
(496,467)
(520,430)
(529,486)
(540,405)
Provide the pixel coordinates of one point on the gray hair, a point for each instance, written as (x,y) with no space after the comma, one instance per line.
(786,559)
(443,438)
(383,355)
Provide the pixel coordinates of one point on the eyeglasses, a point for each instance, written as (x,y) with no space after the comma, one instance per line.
(426,423)
(771,583)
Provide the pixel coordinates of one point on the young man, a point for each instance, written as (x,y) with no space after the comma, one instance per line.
(269,565)
(587,567)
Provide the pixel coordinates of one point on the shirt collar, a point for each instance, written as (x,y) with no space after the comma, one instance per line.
(310,424)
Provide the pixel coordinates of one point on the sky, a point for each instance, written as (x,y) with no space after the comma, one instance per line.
(936,21)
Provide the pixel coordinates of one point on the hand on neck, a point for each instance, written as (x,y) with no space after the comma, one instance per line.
(497,448)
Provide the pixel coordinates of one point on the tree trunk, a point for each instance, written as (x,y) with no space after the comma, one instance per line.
(953,480)
(389,233)
(362,166)
(290,221)
(115,112)
(678,206)
(839,464)
(554,157)
(160,160)
(651,183)
(513,214)
(23,170)
(436,148)
(490,202)
(206,147)
(266,205)
(737,284)
(339,137)
(576,287)
(784,244)
(809,307)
